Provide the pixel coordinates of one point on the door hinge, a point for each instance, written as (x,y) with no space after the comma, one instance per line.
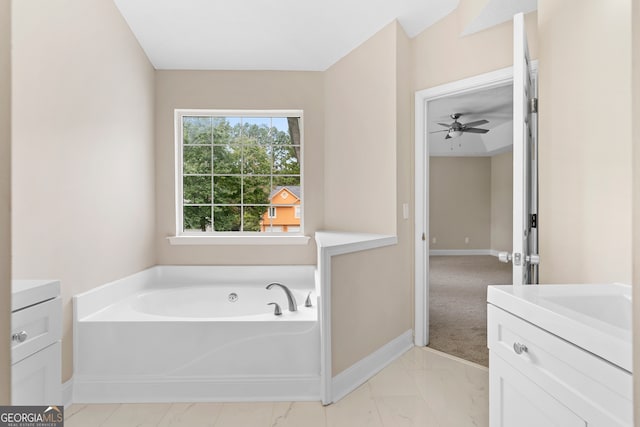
(533,221)
(424,237)
(533,105)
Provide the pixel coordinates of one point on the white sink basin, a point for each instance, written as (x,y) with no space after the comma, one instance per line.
(596,318)
(612,309)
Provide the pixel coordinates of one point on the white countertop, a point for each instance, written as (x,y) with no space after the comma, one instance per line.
(28,292)
(596,318)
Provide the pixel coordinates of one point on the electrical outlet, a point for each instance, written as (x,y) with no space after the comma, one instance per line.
(466,240)
(434,240)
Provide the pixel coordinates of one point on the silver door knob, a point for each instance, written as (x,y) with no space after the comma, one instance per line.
(504,257)
(519,348)
(19,336)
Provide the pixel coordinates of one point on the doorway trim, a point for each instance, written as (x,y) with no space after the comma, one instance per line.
(489,80)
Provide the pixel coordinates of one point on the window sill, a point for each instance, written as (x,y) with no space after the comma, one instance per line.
(239,240)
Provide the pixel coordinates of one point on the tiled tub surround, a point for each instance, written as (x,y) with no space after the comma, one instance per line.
(171,334)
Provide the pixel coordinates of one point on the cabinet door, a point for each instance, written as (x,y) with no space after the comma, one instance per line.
(516,401)
(35,380)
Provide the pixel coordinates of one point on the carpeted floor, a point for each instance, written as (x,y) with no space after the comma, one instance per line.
(458,303)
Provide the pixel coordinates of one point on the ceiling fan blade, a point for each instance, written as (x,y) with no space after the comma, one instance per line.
(476,123)
(445,125)
(443,130)
(475,130)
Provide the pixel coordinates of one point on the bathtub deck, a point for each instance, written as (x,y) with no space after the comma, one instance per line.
(422,388)
(122,312)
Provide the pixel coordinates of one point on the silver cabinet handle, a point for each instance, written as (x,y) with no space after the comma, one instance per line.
(19,336)
(519,348)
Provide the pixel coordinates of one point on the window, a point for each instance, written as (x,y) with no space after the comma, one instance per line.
(233,167)
(297,212)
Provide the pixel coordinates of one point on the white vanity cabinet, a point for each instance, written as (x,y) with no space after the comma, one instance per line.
(539,379)
(36,331)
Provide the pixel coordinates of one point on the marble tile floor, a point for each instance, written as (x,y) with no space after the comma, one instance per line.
(424,387)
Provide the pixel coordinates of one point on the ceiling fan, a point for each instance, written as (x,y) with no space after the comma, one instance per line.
(456,128)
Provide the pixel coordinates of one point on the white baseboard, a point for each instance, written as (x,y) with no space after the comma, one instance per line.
(360,372)
(191,389)
(66,393)
(436,252)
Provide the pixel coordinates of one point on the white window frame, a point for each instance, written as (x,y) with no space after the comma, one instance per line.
(297,211)
(230,237)
(274,210)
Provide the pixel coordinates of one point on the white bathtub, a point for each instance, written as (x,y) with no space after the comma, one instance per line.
(171,334)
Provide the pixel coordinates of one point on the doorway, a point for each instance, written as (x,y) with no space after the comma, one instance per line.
(470,214)
(426,113)
(524,257)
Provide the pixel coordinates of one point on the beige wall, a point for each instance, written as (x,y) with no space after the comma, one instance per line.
(635,30)
(502,202)
(83,183)
(370,126)
(442,56)
(370,302)
(471,197)
(360,156)
(585,171)
(460,202)
(5,201)
(589,215)
(238,90)
(402,255)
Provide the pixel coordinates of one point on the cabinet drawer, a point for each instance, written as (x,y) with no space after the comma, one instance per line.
(588,385)
(40,325)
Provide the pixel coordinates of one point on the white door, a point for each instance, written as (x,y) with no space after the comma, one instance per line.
(525,192)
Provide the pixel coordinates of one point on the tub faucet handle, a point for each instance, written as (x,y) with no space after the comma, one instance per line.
(276,311)
(307,303)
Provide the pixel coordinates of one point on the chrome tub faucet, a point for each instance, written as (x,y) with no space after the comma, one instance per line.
(290,298)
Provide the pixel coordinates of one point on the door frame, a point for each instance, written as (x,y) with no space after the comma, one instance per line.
(492,79)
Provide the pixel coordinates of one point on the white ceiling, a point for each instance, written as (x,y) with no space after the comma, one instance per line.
(267,35)
(498,11)
(494,105)
(279,34)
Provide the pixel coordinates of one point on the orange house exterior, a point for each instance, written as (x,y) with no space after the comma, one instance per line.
(284,213)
